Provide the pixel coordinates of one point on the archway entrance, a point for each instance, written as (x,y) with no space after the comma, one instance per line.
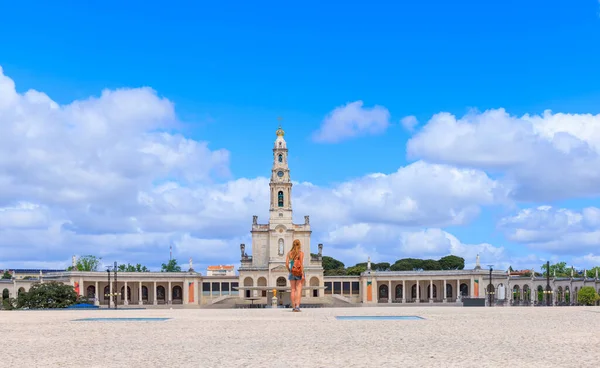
(383,293)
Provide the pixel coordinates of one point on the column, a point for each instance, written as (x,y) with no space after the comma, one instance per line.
(170,294)
(418,294)
(430,291)
(363,290)
(197,291)
(472,291)
(457,289)
(140,296)
(444,300)
(97,294)
(389,291)
(155,301)
(186,293)
(81,288)
(110,298)
(403,291)
(125,296)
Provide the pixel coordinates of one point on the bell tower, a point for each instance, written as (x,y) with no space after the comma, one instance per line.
(280,184)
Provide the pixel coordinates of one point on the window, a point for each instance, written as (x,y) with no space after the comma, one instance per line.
(337,287)
(216,288)
(206,288)
(346,287)
(234,290)
(280,199)
(328,287)
(280,158)
(224,288)
(355,287)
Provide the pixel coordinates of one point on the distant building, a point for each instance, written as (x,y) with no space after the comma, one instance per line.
(21,273)
(221,270)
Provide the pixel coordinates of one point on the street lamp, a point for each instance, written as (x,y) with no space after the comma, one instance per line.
(114,293)
(490,286)
(548,290)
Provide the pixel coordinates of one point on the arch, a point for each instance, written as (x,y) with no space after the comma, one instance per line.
(21,290)
(262,282)
(448,291)
(413,292)
(434,291)
(281,281)
(559,294)
(91,292)
(500,292)
(5,294)
(280,199)
(280,144)
(516,291)
(383,291)
(464,290)
(177,293)
(399,292)
(526,293)
(106,292)
(567,295)
(248,281)
(314,281)
(144,293)
(540,294)
(280,157)
(160,293)
(128,293)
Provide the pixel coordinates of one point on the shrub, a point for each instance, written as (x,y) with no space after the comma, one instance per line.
(47,295)
(587,296)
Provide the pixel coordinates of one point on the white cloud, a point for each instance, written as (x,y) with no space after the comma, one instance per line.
(560,231)
(102,176)
(388,243)
(409,122)
(543,157)
(352,120)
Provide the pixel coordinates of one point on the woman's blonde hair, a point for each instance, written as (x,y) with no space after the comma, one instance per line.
(295,249)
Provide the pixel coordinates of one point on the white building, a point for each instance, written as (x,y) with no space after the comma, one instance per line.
(220,270)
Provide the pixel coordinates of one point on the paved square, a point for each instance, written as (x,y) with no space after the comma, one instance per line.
(446,337)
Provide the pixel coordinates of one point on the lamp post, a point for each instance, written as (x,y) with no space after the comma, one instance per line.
(548,290)
(490,286)
(109,295)
(116,292)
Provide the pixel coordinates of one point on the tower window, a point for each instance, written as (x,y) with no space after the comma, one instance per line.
(279,144)
(280,199)
(280,158)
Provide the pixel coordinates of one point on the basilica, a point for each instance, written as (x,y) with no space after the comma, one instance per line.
(262,274)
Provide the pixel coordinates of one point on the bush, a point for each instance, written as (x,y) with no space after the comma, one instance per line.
(587,296)
(47,295)
(8,303)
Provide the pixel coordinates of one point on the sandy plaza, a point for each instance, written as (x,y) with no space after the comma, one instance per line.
(444,337)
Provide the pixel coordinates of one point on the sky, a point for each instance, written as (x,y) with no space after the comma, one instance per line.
(415,130)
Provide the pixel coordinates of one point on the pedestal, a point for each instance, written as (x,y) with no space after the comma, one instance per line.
(444,300)
(274,302)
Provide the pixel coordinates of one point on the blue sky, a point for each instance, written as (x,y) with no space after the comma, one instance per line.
(230,70)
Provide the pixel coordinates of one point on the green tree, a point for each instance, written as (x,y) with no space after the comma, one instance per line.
(587,295)
(335,272)
(431,265)
(591,273)
(6,276)
(381,266)
(560,269)
(86,263)
(47,295)
(356,270)
(330,263)
(170,266)
(407,264)
(131,268)
(452,263)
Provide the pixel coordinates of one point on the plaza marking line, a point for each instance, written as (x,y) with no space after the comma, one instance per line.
(378,318)
(124,319)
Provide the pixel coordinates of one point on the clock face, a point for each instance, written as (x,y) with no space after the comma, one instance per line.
(280,174)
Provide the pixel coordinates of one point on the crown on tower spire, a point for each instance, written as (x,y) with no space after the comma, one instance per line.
(280,132)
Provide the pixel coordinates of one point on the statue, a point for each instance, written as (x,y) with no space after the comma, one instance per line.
(306,220)
(584,274)
(74,263)
(191,266)
(321,253)
(571,271)
(369,263)
(596,274)
(243,248)
(280,247)
(254,220)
